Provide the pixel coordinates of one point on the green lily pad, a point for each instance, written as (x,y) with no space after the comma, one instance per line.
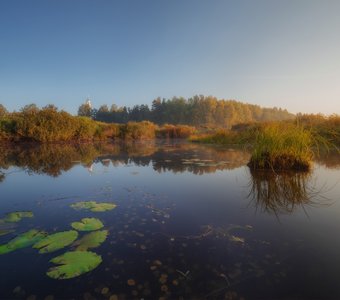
(23,240)
(91,240)
(17,216)
(56,241)
(87,224)
(73,264)
(94,206)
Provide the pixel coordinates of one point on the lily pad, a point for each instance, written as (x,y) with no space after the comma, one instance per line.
(73,264)
(87,224)
(23,240)
(56,241)
(94,206)
(91,240)
(17,216)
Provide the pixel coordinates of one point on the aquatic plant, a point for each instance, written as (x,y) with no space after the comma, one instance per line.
(94,206)
(87,224)
(17,216)
(91,240)
(56,241)
(73,264)
(282,146)
(23,240)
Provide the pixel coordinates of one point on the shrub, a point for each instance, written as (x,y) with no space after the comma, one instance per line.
(138,130)
(175,131)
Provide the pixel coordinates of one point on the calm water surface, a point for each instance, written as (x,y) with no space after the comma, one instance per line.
(191,222)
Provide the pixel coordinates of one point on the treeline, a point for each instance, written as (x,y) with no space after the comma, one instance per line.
(195,111)
(51,125)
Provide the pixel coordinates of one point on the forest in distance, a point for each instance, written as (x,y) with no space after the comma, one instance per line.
(222,121)
(195,111)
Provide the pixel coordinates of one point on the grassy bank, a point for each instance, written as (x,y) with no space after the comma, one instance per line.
(50,125)
(225,137)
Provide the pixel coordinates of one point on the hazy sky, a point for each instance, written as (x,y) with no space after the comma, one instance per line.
(273,53)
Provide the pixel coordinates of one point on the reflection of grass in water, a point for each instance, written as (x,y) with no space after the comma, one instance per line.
(282,192)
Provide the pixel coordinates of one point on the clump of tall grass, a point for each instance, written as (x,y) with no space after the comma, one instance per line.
(283,146)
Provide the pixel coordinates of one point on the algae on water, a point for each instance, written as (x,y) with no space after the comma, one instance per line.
(94,206)
(56,241)
(87,224)
(91,240)
(74,263)
(23,240)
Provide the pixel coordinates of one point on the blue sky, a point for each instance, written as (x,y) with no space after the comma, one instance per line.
(271,53)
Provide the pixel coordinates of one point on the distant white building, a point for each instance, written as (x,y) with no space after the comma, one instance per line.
(88,102)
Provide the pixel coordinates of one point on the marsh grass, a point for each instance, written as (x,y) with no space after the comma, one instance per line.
(284,146)
(224,137)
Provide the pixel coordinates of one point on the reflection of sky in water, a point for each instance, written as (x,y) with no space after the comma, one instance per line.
(304,242)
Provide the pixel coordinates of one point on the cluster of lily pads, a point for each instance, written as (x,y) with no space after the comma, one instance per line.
(72,263)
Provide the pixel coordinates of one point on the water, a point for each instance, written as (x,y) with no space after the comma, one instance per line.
(191,222)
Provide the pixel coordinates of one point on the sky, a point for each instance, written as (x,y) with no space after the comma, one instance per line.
(267,52)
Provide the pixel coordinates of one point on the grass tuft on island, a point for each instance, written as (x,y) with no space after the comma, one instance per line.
(283,146)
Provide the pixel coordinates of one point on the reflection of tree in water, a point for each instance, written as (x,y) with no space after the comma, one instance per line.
(283,192)
(57,158)
(2,176)
(198,160)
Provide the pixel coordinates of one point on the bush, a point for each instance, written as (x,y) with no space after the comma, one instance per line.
(138,130)
(175,131)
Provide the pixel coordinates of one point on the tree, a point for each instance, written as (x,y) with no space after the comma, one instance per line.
(3,110)
(103,109)
(85,110)
(51,107)
(30,109)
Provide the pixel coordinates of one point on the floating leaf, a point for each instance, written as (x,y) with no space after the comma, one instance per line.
(87,224)
(23,240)
(17,216)
(56,241)
(94,206)
(73,264)
(236,239)
(91,240)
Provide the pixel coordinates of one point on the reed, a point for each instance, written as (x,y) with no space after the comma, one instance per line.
(283,146)
(224,137)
